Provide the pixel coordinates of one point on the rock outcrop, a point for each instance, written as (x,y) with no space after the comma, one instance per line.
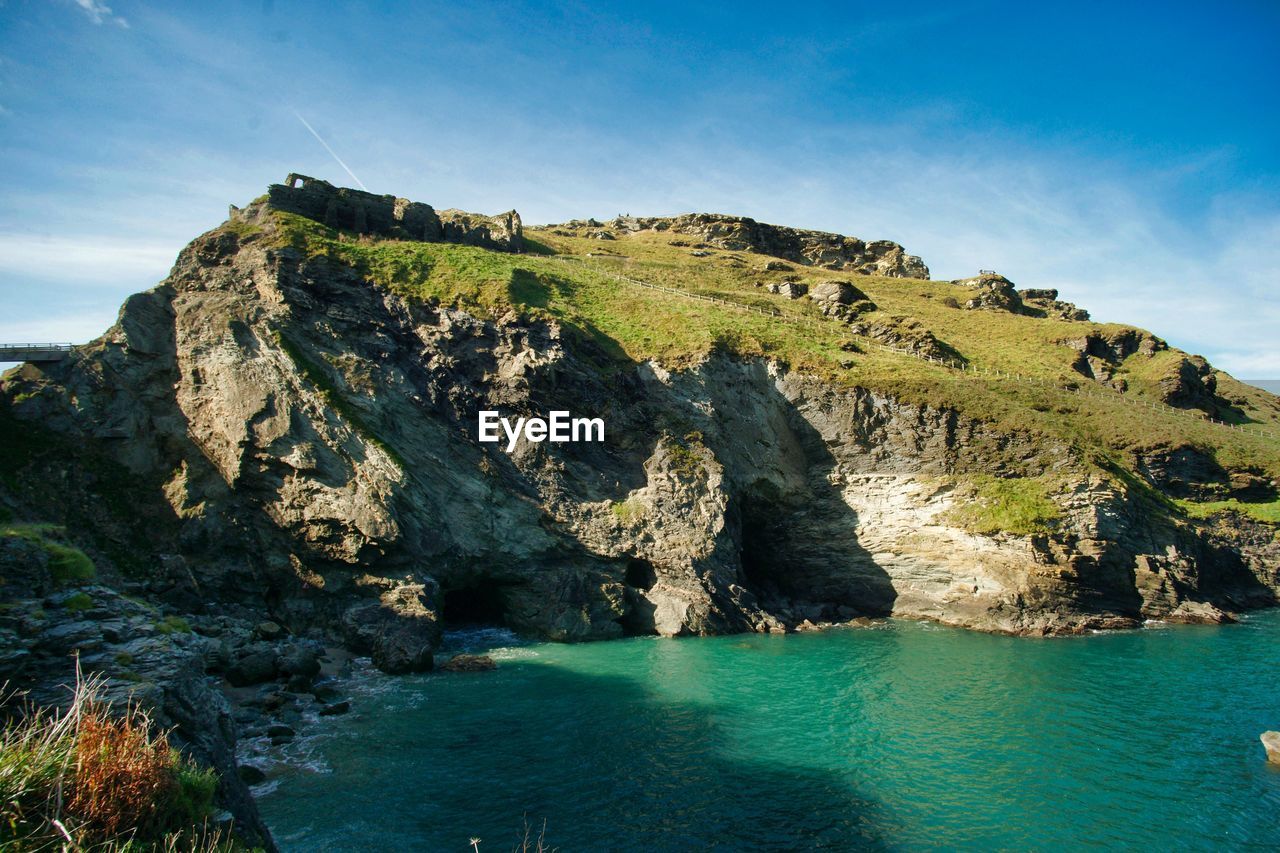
(386,216)
(841,300)
(994,292)
(1271,743)
(811,248)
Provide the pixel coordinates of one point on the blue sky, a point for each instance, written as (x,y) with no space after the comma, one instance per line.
(1129,157)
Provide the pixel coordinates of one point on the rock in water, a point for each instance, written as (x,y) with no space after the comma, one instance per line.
(468,663)
(1271,743)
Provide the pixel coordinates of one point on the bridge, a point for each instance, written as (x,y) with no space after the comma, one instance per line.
(34,352)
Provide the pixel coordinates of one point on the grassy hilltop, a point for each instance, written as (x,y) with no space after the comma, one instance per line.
(580,281)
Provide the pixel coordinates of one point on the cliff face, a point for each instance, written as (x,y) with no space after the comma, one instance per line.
(312,440)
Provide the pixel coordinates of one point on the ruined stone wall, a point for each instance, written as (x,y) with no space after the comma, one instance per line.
(387,216)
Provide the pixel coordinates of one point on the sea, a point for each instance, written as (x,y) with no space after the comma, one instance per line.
(899,736)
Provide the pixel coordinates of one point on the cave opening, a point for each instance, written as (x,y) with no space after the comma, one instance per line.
(480,603)
(641,574)
(764,545)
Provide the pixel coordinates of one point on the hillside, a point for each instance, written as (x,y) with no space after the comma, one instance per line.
(801,428)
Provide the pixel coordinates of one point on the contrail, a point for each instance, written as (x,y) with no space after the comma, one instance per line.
(330,150)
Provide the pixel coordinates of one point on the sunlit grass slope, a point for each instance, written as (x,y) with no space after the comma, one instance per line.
(579,282)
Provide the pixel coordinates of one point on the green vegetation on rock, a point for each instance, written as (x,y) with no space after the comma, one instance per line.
(67,563)
(630,510)
(173,625)
(1017,505)
(78,603)
(105,782)
(322,381)
(1267,512)
(574,282)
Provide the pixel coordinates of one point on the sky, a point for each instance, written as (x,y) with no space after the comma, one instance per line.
(1126,154)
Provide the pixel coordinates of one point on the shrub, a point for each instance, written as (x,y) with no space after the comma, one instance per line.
(629,511)
(78,603)
(86,779)
(173,625)
(67,564)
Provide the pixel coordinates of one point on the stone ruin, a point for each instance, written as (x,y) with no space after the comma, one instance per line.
(363,212)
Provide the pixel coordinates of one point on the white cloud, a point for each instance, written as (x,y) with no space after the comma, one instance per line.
(85,259)
(100,13)
(58,326)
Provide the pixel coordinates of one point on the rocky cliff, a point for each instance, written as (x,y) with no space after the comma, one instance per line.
(285,429)
(740,233)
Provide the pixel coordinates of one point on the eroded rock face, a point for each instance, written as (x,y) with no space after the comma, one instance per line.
(314,441)
(906,334)
(1191,384)
(840,299)
(385,215)
(994,292)
(811,248)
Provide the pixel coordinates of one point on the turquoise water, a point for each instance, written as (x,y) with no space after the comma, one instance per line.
(904,736)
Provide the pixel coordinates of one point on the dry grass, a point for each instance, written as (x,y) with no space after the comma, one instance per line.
(84,779)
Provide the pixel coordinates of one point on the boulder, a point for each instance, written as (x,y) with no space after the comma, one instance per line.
(1200,613)
(841,300)
(251,775)
(1191,384)
(992,291)
(836,293)
(468,663)
(400,630)
(268,630)
(402,650)
(1271,743)
(300,660)
(1047,294)
(254,664)
(789,289)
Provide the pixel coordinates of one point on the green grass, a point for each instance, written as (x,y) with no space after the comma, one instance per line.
(67,563)
(1017,505)
(1267,512)
(78,603)
(630,511)
(173,625)
(575,281)
(241,229)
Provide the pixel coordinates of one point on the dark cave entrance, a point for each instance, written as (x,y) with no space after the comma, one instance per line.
(641,574)
(764,553)
(480,603)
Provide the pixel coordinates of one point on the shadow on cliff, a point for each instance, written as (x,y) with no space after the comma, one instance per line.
(527,288)
(798,536)
(606,762)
